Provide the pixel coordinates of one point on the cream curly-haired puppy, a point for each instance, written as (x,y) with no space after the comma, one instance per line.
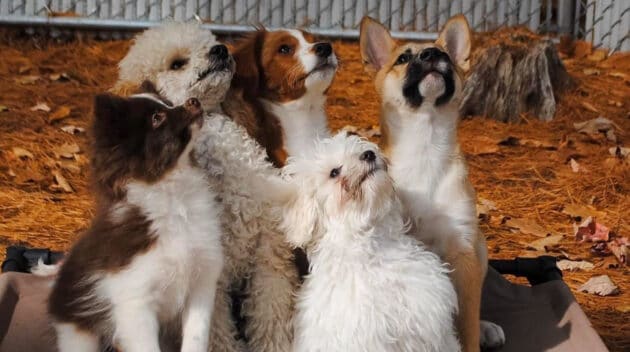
(371,287)
(183,61)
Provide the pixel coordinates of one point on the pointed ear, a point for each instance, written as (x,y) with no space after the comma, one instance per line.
(455,39)
(376,43)
(299,220)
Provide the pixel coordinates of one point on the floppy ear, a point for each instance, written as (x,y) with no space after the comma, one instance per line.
(246,53)
(455,39)
(376,43)
(299,220)
(109,118)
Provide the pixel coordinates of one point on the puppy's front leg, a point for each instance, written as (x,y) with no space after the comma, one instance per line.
(269,307)
(467,277)
(198,312)
(137,327)
(223,330)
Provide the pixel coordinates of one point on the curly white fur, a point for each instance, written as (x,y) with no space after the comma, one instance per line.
(254,248)
(371,287)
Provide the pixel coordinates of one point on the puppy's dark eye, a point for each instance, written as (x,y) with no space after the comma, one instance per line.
(335,172)
(403,58)
(178,63)
(285,49)
(157,118)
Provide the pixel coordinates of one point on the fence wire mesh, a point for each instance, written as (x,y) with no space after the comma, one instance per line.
(604,22)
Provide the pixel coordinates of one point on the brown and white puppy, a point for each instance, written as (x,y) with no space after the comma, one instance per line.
(278,90)
(420,86)
(152,256)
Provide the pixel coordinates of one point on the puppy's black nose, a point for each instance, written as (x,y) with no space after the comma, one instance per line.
(219,51)
(368,155)
(430,54)
(323,49)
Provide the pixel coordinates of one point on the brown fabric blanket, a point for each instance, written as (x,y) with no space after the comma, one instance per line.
(544,317)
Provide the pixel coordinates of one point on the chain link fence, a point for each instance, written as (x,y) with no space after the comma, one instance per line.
(604,22)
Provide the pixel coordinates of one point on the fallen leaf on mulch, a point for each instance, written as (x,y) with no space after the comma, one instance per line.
(620,248)
(527,142)
(59,114)
(620,152)
(600,285)
(3,108)
(545,244)
(27,79)
(67,151)
(623,309)
(69,166)
(572,265)
(72,129)
(597,55)
(59,77)
(580,212)
(41,107)
(575,166)
(588,106)
(61,183)
(22,153)
(590,230)
(484,206)
(590,71)
(482,145)
(619,75)
(526,226)
(598,125)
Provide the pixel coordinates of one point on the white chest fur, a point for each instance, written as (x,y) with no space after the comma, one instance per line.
(431,173)
(184,221)
(303,121)
(375,291)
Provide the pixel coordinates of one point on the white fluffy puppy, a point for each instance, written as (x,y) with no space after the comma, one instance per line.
(371,287)
(183,61)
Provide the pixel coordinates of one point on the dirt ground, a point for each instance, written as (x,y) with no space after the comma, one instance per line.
(45,199)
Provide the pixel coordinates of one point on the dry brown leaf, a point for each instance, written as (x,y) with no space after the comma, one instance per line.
(575,166)
(545,244)
(67,151)
(3,108)
(484,145)
(597,55)
(71,129)
(620,248)
(59,114)
(596,126)
(527,226)
(588,106)
(484,206)
(623,309)
(27,79)
(600,285)
(69,166)
(11,173)
(24,68)
(61,183)
(41,107)
(590,71)
(59,77)
(582,211)
(619,75)
(590,230)
(22,153)
(620,152)
(572,265)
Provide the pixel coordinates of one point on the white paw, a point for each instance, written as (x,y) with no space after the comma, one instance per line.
(492,335)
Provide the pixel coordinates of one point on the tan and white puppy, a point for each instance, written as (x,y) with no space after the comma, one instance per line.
(278,90)
(420,86)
